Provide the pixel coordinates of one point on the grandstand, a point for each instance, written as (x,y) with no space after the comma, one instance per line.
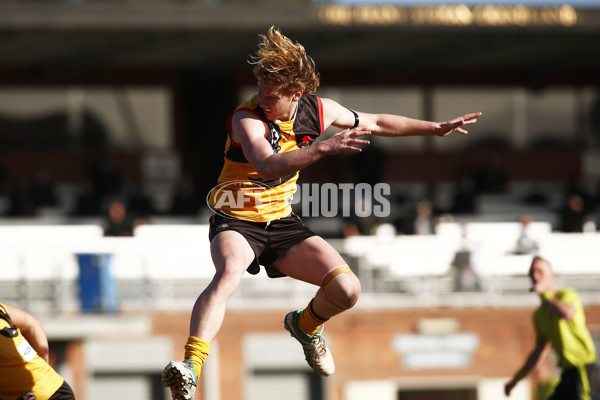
(127,100)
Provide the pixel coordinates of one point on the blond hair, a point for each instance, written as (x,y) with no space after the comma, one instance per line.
(284,65)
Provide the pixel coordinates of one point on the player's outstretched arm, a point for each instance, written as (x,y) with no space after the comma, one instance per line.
(394,125)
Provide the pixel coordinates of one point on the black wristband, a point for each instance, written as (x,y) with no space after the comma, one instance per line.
(356,120)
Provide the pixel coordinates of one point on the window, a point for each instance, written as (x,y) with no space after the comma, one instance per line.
(276,384)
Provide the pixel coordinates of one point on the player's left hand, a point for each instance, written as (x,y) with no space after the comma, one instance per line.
(454,125)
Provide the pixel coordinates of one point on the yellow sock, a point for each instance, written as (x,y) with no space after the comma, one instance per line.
(308,321)
(196,350)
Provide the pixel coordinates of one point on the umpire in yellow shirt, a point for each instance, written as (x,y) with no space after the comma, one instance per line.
(560,321)
(24,370)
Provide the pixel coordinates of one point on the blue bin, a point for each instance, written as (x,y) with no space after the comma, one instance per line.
(97,285)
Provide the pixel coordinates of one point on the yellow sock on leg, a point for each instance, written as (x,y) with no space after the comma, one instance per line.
(308,321)
(196,350)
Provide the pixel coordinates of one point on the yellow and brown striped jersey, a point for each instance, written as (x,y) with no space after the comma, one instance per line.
(22,370)
(241,192)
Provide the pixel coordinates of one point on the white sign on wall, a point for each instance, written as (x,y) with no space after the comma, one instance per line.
(449,351)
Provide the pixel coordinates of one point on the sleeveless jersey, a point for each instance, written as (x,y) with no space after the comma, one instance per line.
(571,340)
(22,370)
(241,192)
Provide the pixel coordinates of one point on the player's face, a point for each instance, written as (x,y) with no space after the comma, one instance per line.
(276,106)
(542,277)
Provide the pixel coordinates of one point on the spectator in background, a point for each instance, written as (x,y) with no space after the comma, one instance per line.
(526,244)
(24,353)
(121,222)
(573,214)
(118,223)
(423,220)
(576,186)
(466,279)
(560,321)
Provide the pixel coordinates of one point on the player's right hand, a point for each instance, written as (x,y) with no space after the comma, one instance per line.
(346,140)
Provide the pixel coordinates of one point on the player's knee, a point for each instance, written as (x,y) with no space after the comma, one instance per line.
(227,277)
(343,292)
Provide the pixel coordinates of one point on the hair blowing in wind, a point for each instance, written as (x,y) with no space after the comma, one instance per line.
(284,65)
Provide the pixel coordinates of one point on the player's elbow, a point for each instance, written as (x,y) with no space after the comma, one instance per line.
(266,169)
(268,174)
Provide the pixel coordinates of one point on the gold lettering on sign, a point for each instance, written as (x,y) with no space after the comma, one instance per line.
(384,15)
(449,15)
(336,15)
(459,15)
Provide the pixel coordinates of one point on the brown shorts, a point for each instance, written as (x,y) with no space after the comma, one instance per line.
(63,393)
(268,240)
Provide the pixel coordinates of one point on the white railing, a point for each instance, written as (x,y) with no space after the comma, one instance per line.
(167,266)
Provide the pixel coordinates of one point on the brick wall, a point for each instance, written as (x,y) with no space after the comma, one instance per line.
(361,341)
